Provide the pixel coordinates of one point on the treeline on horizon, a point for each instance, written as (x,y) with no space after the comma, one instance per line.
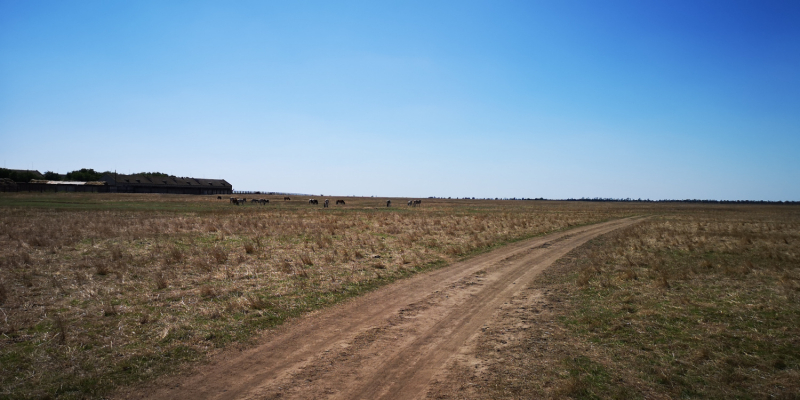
(80,175)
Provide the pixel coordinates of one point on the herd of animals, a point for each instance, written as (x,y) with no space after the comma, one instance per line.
(325,204)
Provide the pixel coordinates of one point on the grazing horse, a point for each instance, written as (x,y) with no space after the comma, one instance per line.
(326,203)
(339,202)
(417,203)
(285,198)
(219,197)
(263,202)
(313,201)
(254,201)
(388,203)
(411,202)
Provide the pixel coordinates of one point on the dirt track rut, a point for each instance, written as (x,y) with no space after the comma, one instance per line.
(386,344)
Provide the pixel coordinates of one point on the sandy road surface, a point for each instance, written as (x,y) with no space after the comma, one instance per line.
(386,344)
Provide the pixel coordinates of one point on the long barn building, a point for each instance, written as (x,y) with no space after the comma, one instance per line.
(165,184)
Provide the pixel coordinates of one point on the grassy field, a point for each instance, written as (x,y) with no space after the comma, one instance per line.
(103,290)
(99,291)
(700,303)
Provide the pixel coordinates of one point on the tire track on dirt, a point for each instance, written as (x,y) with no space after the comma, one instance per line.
(406,375)
(386,344)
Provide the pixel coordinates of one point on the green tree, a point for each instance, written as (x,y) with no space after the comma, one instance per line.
(18,176)
(153,174)
(52,176)
(85,175)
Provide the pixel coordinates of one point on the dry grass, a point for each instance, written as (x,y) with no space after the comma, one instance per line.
(699,304)
(713,311)
(98,291)
(102,290)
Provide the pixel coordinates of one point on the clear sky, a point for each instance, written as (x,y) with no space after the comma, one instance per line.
(557,99)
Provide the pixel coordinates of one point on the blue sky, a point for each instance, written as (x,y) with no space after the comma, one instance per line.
(555,99)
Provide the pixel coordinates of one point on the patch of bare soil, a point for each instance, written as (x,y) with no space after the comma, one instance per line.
(397,342)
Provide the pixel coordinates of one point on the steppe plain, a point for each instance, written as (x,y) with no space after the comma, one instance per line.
(135,295)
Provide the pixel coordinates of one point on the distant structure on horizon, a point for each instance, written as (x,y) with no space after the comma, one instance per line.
(22,180)
(34,173)
(119,183)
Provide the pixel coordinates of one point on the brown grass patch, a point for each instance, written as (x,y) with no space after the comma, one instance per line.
(700,305)
(127,268)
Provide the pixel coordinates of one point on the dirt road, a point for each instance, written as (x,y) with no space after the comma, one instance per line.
(387,344)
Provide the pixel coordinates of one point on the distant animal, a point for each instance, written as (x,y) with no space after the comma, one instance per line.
(286,198)
(325,205)
(233,200)
(263,202)
(219,197)
(417,203)
(410,202)
(254,201)
(388,203)
(340,202)
(313,201)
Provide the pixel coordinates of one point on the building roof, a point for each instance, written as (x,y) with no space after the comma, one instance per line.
(74,183)
(174,181)
(22,171)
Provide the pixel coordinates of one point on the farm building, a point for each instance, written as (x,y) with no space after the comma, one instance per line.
(165,184)
(43,185)
(26,172)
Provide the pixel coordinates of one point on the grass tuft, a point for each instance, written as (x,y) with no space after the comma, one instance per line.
(160,279)
(249,248)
